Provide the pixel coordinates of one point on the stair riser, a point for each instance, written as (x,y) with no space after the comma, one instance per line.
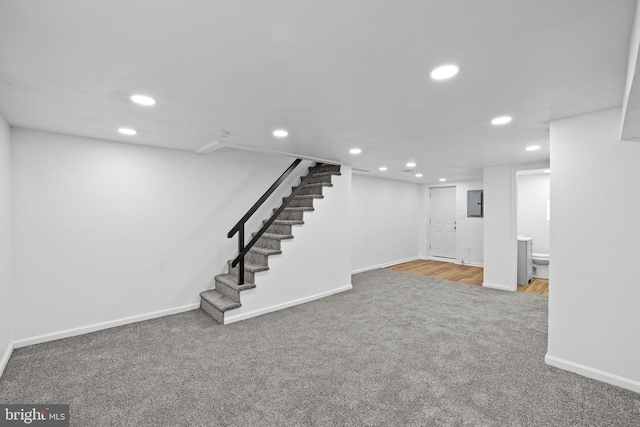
(279,229)
(227,291)
(310,190)
(255,258)
(327,168)
(291,215)
(322,179)
(212,311)
(268,243)
(301,203)
(249,277)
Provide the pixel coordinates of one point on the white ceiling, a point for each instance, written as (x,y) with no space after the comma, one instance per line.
(336,73)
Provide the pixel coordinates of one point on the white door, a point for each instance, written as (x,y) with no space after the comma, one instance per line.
(443,222)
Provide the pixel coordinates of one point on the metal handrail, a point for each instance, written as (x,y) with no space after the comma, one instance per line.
(262,199)
(239,227)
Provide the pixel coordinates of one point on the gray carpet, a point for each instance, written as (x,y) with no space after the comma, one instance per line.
(398,350)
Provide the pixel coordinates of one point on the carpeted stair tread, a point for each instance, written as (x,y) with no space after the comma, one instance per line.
(275,236)
(287,222)
(264,251)
(218,300)
(324,168)
(306,196)
(253,268)
(318,184)
(232,281)
(296,209)
(325,173)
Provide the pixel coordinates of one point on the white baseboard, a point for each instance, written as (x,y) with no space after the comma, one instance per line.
(99,326)
(595,374)
(255,313)
(386,264)
(470,264)
(499,287)
(455,261)
(437,258)
(5,358)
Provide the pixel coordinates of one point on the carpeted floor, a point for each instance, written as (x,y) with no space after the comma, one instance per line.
(398,350)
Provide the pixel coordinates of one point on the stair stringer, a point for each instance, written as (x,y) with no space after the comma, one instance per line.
(314,264)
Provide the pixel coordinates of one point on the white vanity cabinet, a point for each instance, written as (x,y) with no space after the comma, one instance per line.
(525,261)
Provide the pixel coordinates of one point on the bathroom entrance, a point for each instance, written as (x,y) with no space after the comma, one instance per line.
(533,224)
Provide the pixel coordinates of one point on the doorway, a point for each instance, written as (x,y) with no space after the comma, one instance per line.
(443,222)
(533,228)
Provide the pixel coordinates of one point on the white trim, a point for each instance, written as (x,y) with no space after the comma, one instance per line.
(5,358)
(499,287)
(255,313)
(595,374)
(209,148)
(470,263)
(386,264)
(280,153)
(441,259)
(99,326)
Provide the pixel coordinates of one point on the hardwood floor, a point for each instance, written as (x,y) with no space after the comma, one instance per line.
(464,274)
(442,270)
(536,286)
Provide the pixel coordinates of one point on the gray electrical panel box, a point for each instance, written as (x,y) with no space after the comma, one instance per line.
(475,200)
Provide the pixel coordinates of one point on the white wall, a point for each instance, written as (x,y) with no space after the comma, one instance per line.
(594,297)
(385,222)
(5,244)
(533,192)
(500,245)
(314,264)
(107,233)
(469,232)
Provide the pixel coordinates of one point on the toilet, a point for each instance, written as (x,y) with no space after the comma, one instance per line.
(540,259)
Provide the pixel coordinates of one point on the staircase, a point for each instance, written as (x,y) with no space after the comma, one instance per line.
(226,294)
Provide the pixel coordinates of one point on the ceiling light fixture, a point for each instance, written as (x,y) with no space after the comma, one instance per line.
(418,175)
(444,72)
(280,133)
(143,100)
(355,151)
(411,165)
(383,168)
(532,148)
(547,171)
(442,179)
(127,131)
(502,120)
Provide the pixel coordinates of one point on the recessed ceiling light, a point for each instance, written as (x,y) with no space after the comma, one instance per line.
(355,151)
(442,179)
(411,165)
(127,131)
(383,168)
(418,175)
(280,133)
(547,171)
(143,100)
(532,148)
(444,72)
(502,120)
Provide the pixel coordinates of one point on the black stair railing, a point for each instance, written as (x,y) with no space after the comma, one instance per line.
(239,227)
